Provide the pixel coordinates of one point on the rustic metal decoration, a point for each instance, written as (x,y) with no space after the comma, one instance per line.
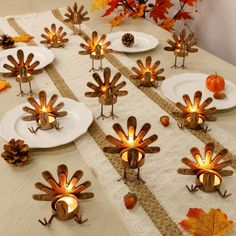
(64,196)
(54,38)
(96,48)
(131,147)
(23,70)
(16,152)
(76,16)
(148,75)
(182,46)
(195,114)
(207,169)
(106,90)
(44,113)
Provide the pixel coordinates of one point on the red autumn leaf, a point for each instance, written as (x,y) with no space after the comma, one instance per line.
(160,9)
(184,15)
(113,5)
(189,2)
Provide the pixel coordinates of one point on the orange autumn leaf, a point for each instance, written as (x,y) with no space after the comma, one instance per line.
(117,20)
(139,12)
(168,24)
(4,85)
(212,223)
(23,38)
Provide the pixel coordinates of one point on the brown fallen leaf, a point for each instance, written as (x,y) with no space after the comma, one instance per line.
(4,85)
(212,223)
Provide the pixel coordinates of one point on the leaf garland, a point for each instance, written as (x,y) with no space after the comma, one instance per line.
(164,12)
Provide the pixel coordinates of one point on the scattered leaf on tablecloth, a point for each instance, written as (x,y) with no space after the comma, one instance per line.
(25,38)
(4,85)
(212,223)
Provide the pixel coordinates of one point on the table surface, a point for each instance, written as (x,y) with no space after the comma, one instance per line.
(107,220)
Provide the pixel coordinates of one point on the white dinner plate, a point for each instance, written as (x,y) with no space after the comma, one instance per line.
(76,123)
(42,54)
(142,42)
(178,85)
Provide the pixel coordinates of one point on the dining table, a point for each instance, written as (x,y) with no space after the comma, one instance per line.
(163,200)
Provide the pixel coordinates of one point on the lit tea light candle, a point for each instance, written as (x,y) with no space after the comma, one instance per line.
(50,119)
(71,203)
(217,180)
(124,156)
(20,76)
(199,121)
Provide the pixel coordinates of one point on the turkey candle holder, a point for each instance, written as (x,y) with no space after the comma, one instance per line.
(131,147)
(208,170)
(76,16)
(195,114)
(54,38)
(106,90)
(148,75)
(64,196)
(182,46)
(96,48)
(23,70)
(45,114)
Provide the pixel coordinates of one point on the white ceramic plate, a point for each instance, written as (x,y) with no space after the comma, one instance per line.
(178,85)
(74,124)
(42,54)
(142,42)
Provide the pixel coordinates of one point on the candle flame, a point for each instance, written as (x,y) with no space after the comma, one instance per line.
(44,109)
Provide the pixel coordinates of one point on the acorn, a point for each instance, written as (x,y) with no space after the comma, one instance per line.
(128,39)
(130,200)
(219,95)
(165,120)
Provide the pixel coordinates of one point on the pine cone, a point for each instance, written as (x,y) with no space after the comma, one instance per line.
(16,152)
(128,39)
(6,41)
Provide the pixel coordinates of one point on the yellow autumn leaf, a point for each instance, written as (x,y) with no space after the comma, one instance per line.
(96,4)
(23,38)
(117,20)
(212,223)
(4,85)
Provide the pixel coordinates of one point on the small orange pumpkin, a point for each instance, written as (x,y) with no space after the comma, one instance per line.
(215,83)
